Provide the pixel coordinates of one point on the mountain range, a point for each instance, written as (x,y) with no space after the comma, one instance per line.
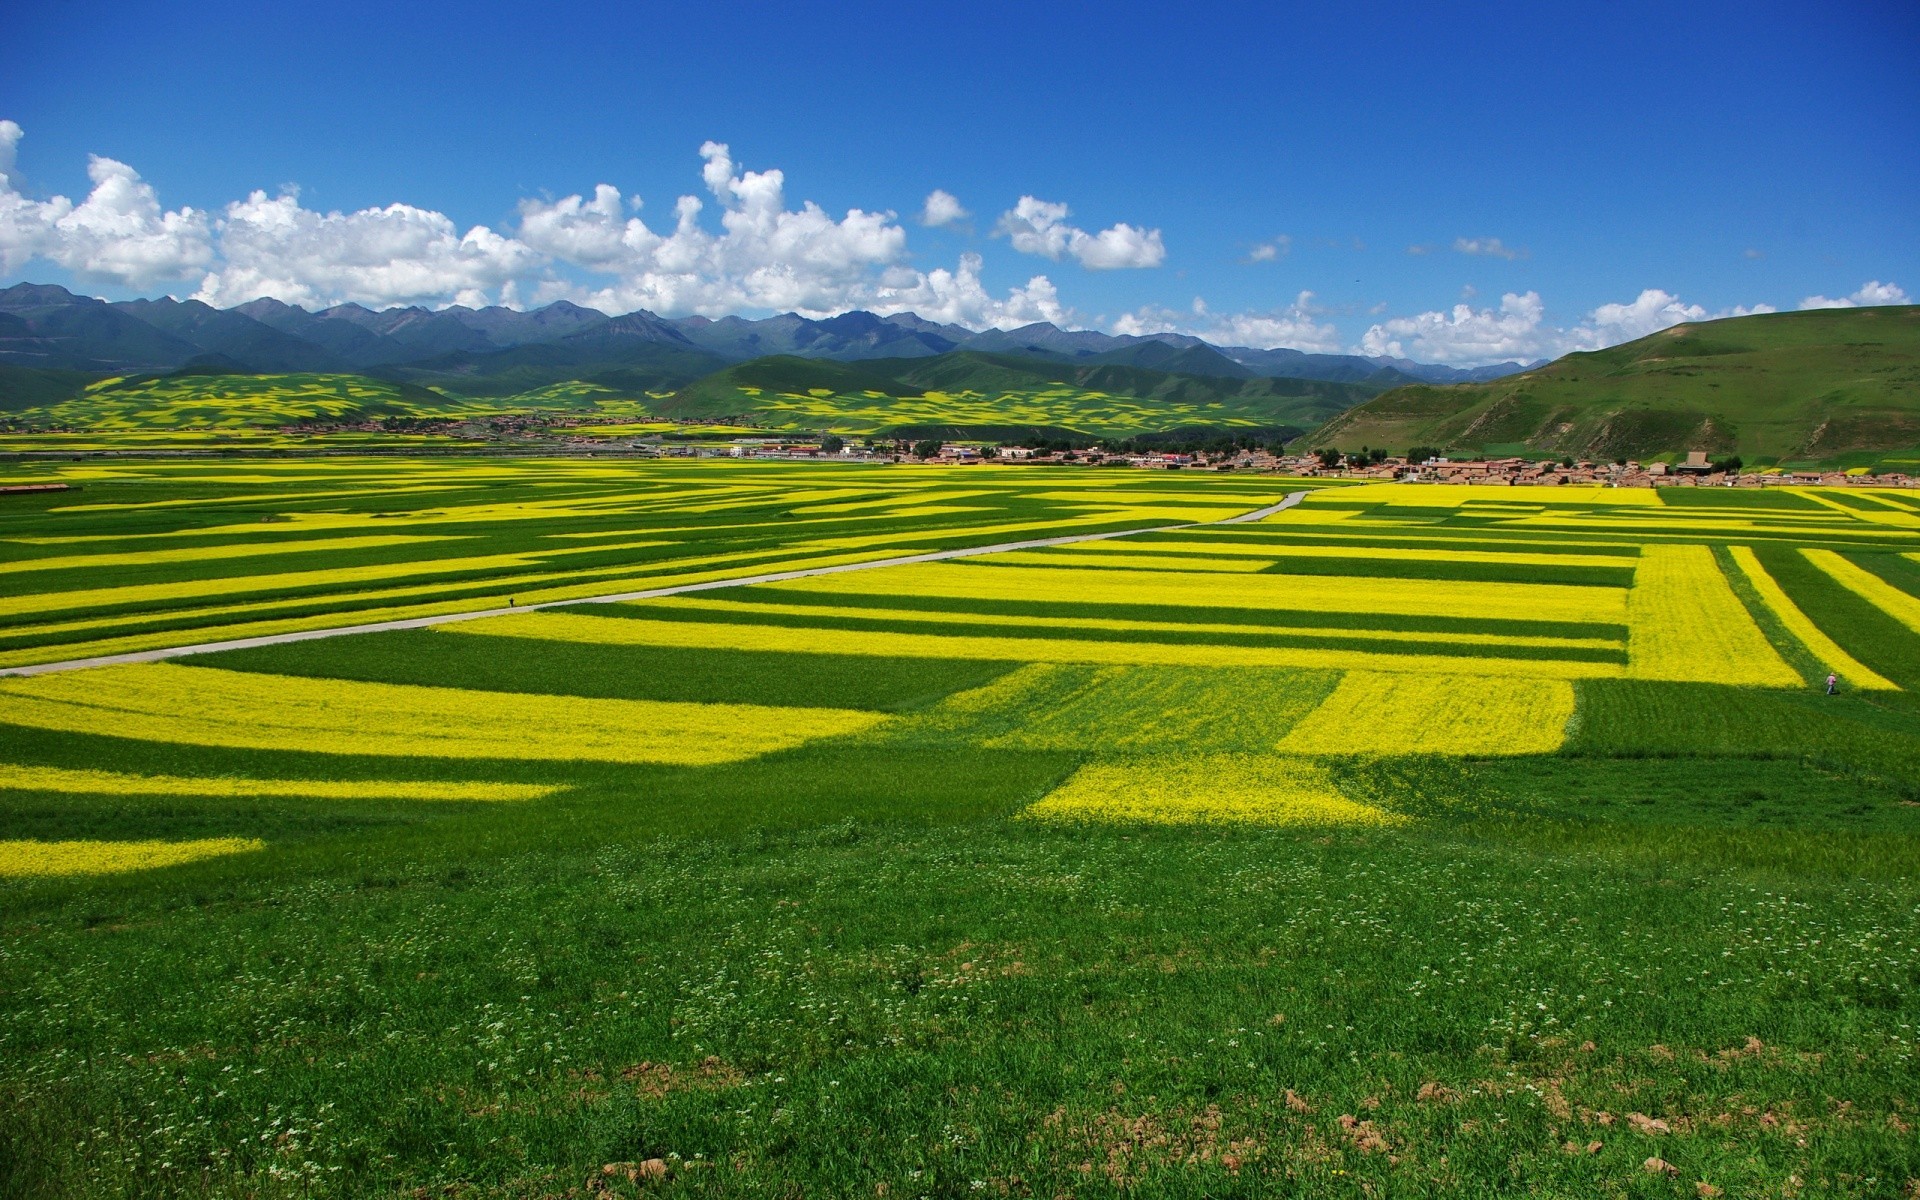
(66,339)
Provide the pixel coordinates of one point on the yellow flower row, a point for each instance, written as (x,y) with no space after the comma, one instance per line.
(1417,641)
(202,706)
(20,859)
(1310,593)
(1074,556)
(1242,789)
(1865,584)
(1453,495)
(112,783)
(1856,673)
(1274,551)
(1383,713)
(566,627)
(141,558)
(1685,623)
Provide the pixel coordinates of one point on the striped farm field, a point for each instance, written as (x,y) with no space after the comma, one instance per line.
(620,828)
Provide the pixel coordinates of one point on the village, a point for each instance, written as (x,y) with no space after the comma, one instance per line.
(1696,470)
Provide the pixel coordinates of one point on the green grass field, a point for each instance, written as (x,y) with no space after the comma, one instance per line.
(1415,841)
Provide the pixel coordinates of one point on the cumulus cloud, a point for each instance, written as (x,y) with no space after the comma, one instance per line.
(1517,329)
(376,256)
(1871,293)
(119,234)
(763,255)
(958,297)
(1038,227)
(1487,247)
(1295,327)
(942,208)
(1279,247)
(1463,334)
(766,255)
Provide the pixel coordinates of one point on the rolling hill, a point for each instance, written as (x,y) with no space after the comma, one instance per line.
(1834,385)
(956,394)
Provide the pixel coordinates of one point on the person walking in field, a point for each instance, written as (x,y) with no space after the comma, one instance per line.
(1833,681)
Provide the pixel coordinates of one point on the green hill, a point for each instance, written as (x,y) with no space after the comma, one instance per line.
(1836,385)
(959,394)
(200,400)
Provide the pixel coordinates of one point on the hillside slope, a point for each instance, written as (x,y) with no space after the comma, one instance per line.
(1782,387)
(221,400)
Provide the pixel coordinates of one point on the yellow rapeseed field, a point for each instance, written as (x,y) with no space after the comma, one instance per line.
(26,858)
(15,777)
(137,558)
(1243,789)
(1142,558)
(1856,673)
(1453,495)
(1309,593)
(1382,713)
(1686,623)
(202,706)
(1418,641)
(1869,587)
(1278,550)
(567,627)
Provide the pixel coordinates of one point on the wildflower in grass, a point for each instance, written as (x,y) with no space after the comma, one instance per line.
(1248,789)
(14,777)
(28,858)
(164,702)
(1382,713)
(1856,673)
(1685,623)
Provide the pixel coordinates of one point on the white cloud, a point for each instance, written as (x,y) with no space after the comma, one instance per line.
(377,256)
(1871,293)
(1487,247)
(1296,327)
(766,256)
(119,234)
(1652,311)
(1279,247)
(942,208)
(1038,227)
(1464,334)
(958,297)
(1517,329)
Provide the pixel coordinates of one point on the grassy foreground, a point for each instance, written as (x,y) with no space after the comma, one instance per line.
(1415,842)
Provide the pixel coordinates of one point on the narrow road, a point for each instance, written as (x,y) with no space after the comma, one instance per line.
(307,635)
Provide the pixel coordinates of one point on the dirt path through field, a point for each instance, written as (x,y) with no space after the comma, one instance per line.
(277,639)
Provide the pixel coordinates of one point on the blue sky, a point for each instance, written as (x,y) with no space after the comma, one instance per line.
(1570,174)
